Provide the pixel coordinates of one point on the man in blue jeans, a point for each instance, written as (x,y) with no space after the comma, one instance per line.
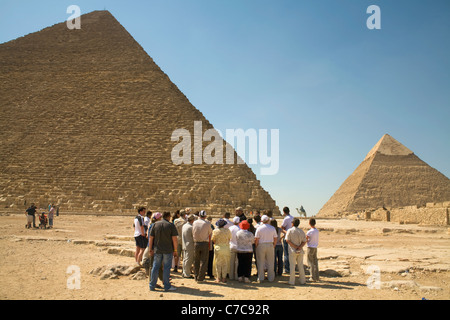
(163,246)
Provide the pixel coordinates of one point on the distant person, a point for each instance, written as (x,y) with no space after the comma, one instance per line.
(245,240)
(278,265)
(43,221)
(312,238)
(30,213)
(188,246)
(163,247)
(51,215)
(285,226)
(140,236)
(296,239)
(221,237)
(265,241)
(201,231)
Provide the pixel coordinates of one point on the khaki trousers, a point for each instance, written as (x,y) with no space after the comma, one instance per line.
(313,263)
(265,254)
(296,258)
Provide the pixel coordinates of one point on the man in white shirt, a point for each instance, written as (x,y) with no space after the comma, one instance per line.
(296,239)
(265,241)
(139,235)
(285,226)
(201,232)
(312,238)
(233,248)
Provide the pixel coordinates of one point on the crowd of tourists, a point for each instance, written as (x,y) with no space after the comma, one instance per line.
(45,218)
(187,242)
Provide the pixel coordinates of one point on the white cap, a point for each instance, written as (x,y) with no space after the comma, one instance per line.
(236,220)
(265,218)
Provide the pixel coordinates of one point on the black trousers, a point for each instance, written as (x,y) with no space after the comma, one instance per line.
(201,254)
(244,264)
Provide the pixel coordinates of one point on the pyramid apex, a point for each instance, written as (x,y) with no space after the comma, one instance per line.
(389,146)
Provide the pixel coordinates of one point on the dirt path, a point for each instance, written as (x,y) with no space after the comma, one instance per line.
(413,261)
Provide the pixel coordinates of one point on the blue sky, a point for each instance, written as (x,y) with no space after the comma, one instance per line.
(311,69)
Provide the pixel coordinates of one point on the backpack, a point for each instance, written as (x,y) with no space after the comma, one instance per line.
(139,219)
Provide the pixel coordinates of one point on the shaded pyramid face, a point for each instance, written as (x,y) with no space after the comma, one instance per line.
(86,120)
(390,176)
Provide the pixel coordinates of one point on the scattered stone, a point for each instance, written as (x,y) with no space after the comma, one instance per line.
(140,275)
(330,273)
(115,270)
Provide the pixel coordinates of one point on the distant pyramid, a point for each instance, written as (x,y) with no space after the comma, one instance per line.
(391,175)
(86,118)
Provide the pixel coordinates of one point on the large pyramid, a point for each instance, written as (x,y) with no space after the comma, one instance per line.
(390,176)
(86,118)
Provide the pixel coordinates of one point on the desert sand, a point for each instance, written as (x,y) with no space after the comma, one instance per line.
(413,260)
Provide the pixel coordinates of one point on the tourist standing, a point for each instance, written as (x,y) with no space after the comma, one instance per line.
(240,213)
(226,217)
(140,236)
(163,236)
(179,223)
(147,221)
(148,259)
(285,226)
(30,213)
(245,240)
(221,238)
(201,231)
(233,248)
(210,253)
(312,238)
(188,246)
(265,241)
(51,215)
(257,219)
(296,239)
(278,265)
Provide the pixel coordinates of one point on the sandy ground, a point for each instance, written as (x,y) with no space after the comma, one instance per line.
(414,263)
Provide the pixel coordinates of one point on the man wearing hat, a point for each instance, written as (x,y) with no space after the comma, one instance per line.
(188,246)
(265,241)
(201,232)
(240,214)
